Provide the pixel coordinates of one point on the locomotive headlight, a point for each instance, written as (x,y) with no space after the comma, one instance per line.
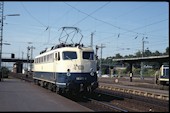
(68,72)
(91,72)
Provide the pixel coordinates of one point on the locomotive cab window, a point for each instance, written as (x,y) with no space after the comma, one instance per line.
(88,55)
(69,55)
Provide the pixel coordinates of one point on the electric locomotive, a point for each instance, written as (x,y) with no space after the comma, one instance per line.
(66,68)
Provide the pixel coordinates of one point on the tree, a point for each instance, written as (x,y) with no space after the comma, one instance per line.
(118,55)
(138,54)
(131,56)
(147,53)
(167,51)
(156,53)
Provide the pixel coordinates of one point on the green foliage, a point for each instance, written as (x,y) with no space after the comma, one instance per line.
(149,72)
(147,52)
(167,51)
(156,53)
(118,56)
(138,54)
(136,71)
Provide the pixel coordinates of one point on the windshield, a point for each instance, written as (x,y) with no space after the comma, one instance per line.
(69,55)
(166,72)
(88,55)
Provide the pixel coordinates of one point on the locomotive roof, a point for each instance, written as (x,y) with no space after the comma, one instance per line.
(62,46)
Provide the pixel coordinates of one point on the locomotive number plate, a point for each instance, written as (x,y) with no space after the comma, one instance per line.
(80,78)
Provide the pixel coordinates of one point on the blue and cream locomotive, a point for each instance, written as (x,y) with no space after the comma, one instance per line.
(66,68)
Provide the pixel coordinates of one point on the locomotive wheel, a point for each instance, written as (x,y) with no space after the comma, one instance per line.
(46,85)
(59,91)
(53,88)
(50,86)
(36,82)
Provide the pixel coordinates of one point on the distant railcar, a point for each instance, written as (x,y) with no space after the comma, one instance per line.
(163,78)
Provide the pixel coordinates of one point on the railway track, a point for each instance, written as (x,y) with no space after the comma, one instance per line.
(94,104)
(109,106)
(133,103)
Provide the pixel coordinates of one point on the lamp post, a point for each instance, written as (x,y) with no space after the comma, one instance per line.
(1,30)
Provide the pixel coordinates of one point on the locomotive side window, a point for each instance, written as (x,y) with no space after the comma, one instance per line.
(58,55)
(55,56)
(88,55)
(69,55)
(47,58)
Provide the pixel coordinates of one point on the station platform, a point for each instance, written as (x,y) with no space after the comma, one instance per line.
(18,95)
